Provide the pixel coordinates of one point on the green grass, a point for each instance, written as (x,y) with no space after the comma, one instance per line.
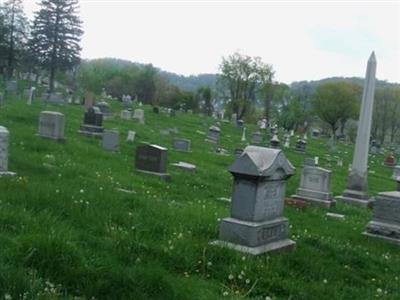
(65,230)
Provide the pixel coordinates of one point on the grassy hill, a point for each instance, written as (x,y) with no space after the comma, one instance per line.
(67,232)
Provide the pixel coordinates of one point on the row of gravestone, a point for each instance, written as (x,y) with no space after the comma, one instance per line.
(256,224)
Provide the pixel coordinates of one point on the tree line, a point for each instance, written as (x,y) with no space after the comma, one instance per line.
(247,83)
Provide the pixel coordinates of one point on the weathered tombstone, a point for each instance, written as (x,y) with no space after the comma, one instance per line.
(257,224)
(183,145)
(55,98)
(287,142)
(301,145)
(263,124)
(89,100)
(92,123)
(310,162)
(274,142)
(127,101)
(374,148)
(234,118)
(390,161)
(237,152)
(356,192)
(256,138)
(126,115)
(240,123)
(105,109)
(111,140)
(152,159)
(214,133)
(244,135)
(11,87)
(51,125)
(131,136)
(316,160)
(32,95)
(315,187)
(385,222)
(315,133)
(340,162)
(4,142)
(396,176)
(138,115)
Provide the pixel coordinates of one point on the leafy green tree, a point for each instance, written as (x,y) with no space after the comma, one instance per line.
(242,75)
(204,95)
(56,35)
(13,35)
(335,102)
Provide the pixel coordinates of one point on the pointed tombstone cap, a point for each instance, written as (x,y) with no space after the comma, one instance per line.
(262,162)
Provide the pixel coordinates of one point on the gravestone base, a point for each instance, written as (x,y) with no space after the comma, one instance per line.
(275,247)
(163,176)
(90,130)
(7,174)
(255,237)
(387,231)
(356,198)
(315,198)
(57,139)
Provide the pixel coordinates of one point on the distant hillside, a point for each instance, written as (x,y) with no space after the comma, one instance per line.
(310,86)
(190,83)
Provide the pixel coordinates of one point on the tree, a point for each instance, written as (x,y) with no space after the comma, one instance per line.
(13,35)
(204,96)
(335,102)
(56,34)
(243,75)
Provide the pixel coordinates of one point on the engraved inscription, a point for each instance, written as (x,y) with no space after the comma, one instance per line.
(269,233)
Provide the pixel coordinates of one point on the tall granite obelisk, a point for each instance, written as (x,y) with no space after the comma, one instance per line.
(356,192)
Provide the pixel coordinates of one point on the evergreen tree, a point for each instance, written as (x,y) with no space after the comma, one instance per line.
(13,35)
(56,34)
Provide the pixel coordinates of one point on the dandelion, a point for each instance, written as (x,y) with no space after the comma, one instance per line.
(247,281)
(268,298)
(230,277)
(81,191)
(225,294)
(379,290)
(325,281)
(209,264)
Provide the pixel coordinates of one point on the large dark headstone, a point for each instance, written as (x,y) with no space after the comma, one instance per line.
(152,159)
(92,123)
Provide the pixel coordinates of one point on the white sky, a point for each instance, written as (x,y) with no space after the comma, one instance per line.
(303,40)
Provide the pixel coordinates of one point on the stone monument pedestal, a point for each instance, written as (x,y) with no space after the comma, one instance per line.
(357,192)
(255,237)
(385,222)
(256,224)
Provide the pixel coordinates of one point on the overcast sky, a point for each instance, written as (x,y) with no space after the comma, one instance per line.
(303,40)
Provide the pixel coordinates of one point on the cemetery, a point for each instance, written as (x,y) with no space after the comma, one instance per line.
(118,184)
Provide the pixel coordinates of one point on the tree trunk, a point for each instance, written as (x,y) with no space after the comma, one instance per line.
(53,63)
(10,57)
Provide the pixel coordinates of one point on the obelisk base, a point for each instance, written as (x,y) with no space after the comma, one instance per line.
(357,191)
